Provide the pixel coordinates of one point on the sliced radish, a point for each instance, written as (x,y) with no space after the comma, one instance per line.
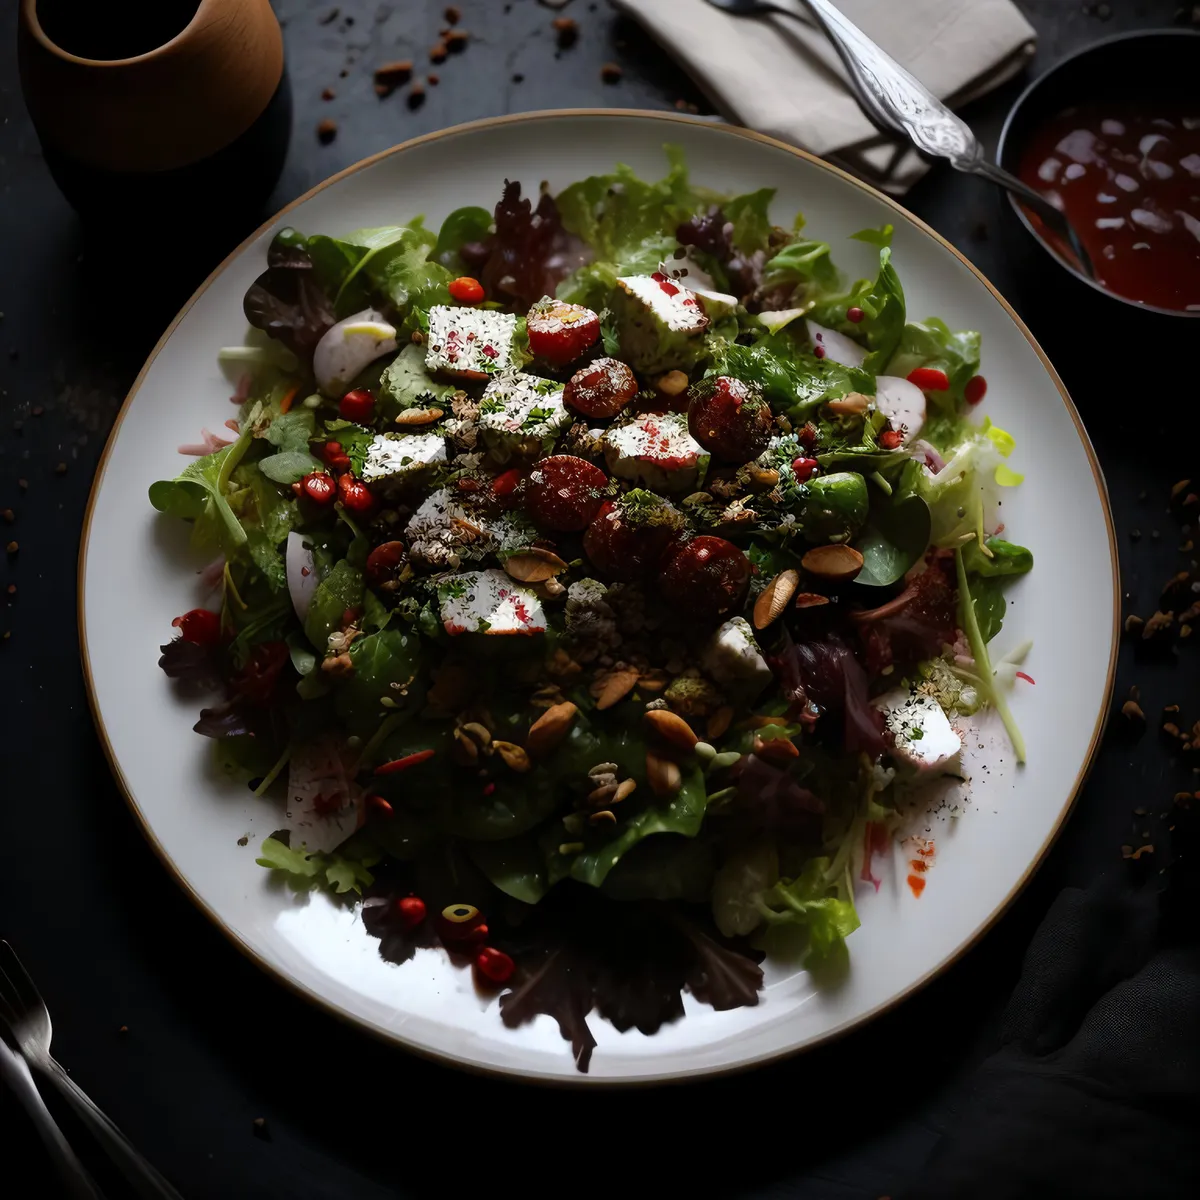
(348,347)
(903,404)
(301,573)
(324,805)
(837,346)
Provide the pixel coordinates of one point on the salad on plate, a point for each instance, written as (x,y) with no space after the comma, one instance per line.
(592,580)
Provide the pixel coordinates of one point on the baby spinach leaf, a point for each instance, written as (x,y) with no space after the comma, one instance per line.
(470,224)
(288,466)
(894,540)
(516,866)
(990,606)
(405,383)
(682,813)
(341,589)
(670,867)
(381,660)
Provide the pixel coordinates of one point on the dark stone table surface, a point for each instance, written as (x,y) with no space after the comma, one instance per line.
(210,1043)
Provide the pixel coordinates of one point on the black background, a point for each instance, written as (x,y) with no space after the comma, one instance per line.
(211,1042)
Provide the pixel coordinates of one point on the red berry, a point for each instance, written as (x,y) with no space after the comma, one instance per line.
(818,350)
(411,911)
(564,493)
(854,314)
(465,290)
(706,579)
(729,418)
(601,389)
(356,496)
(494,965)
(929,379)
(561,332)
(357,406)
(890,439)
(623,543)
(385,562)
(804,469)
(975,390)
(319,487)
(506,483)
(200,627)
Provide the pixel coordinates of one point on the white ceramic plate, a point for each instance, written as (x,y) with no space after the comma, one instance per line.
(136,574)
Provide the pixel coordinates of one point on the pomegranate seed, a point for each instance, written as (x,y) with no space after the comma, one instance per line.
(381,804)
(818,351)
(357,406)
(505,484)
(200,627)
(855,314)
(889,439)
(356,496)
(384,562)
(494,965)
(975,390)
(411,911)
(402,764)
(319,487)
(804,469)
(466,290)
(930,379)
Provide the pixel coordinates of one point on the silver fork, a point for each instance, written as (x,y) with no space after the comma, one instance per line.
(896,102)
(25,1012)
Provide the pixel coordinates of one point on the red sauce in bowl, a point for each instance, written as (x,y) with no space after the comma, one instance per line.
(1128,180)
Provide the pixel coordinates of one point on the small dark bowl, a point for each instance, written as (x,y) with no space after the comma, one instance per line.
(1164,62)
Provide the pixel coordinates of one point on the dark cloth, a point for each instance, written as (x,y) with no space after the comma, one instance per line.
(1095,1090)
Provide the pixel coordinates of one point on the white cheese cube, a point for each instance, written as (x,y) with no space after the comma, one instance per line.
(657,451)
(669,303)
(733,659)
(658,323)
(488,602)
(922,735)
(403,456)
(447,530)
(469,343)
(521,412)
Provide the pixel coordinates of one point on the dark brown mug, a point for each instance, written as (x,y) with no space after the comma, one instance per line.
(162,111)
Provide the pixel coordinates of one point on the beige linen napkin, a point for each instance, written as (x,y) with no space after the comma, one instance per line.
(783,78)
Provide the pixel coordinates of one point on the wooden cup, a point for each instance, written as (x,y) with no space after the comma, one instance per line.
(195,127)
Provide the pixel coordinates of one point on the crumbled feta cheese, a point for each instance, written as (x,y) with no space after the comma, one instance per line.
(921,732)
(446,531)
(674,306)
(488,602)
(471,343)
(521,411)
(402,455)
(657,451)
(658,323)
(733,659)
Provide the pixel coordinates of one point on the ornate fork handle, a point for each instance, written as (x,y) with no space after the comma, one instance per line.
(892,97)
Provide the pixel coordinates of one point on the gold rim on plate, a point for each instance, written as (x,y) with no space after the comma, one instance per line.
(584,1081)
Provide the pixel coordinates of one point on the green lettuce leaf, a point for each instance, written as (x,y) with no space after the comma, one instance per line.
(931,343)
(341,589)
(516,866)
(810,902)
(751,220)
(804,263)
(197,494)
(470,224)
(882,303)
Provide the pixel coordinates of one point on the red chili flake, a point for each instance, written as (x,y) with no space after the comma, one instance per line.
(1027,678)
(494,965)
(890,439)
(854,314)
(411,911)
(506,483)
(465,289)
(402,764)
(199,626)
(975,390)
(929,379)
(381,804)
(917,883)
(919,865)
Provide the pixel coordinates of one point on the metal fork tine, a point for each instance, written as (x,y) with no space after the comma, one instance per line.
(12,969)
